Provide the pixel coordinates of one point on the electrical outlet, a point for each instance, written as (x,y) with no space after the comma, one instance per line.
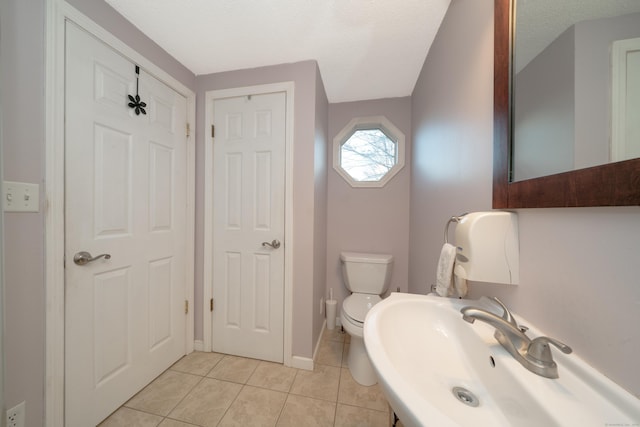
(15,415)
(322,305)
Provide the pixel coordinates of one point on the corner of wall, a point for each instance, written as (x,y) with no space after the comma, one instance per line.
(320,203)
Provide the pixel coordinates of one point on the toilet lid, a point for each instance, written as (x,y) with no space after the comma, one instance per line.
(356,306)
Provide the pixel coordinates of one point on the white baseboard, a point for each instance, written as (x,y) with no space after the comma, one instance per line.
(305,362)
(338,323)
(317,346)
(300,362)
(296,361)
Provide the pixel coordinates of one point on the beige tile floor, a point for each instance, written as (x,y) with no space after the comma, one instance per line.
(212,389)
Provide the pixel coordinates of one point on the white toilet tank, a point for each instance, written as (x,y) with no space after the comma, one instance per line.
(366,273)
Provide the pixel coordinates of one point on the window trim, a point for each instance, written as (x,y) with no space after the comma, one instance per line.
(365,123)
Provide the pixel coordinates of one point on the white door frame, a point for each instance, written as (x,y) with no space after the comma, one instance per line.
(58,11)
(207,317)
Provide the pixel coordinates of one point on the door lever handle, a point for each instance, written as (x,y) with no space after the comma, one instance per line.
(275,244)
(82,258)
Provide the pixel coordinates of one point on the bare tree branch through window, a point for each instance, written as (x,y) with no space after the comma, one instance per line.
(368,152)
(368,155)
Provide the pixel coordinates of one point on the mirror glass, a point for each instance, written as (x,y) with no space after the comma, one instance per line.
(576,85)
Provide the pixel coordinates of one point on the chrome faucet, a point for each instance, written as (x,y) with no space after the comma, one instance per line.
(535,355)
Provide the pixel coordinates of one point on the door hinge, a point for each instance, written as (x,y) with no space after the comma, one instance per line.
(213,131)
(186,307)
(188,130)
(211,305)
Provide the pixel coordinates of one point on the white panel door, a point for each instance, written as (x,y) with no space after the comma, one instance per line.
(125,195)
(625,142)
(248,212)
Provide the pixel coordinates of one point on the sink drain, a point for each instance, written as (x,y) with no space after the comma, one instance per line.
(465,396)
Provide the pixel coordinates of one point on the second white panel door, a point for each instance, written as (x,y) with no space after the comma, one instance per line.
(248,226)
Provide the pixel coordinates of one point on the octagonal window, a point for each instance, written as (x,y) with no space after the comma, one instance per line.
(368,152)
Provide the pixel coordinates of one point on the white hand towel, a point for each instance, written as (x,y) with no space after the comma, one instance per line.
(459,283)
(444,274)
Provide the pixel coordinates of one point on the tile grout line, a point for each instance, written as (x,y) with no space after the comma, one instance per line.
(231,404)
(285,402)
(287,398)
(202,377)
(335,417)
(288,392)
(184,397)
(244,384)
(335,411)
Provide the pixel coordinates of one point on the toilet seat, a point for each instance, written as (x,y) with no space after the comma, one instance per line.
(356,306)
(352,327)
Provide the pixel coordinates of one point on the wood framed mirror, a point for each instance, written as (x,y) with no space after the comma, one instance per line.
(611,184)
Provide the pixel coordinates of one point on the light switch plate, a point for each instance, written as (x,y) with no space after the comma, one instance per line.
(20,197)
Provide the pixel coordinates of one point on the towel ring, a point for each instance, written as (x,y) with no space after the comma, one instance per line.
(455,219)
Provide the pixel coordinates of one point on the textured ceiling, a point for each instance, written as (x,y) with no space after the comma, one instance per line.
(366,49)
(539,22)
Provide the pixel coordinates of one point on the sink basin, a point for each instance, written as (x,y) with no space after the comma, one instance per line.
(433,367)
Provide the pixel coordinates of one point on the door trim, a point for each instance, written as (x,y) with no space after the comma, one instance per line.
(207,317)
(57,12)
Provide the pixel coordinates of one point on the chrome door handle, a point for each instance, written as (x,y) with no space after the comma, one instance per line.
(82,258)
(275,244)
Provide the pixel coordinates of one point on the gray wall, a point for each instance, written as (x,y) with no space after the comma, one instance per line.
(369,219)
(22,81)
(593,84)
(544,97)
(2,405)
(452,113)
(321,166)
(578,278)
(309,211)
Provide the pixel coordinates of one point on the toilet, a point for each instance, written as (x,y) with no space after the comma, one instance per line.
(367,277)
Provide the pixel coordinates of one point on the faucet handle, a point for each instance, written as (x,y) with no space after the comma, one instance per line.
(540,351)
(562,346)
(506,315)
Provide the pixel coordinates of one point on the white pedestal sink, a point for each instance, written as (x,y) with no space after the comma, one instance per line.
(422,350)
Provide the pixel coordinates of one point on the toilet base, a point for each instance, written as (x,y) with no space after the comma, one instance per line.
(359,364)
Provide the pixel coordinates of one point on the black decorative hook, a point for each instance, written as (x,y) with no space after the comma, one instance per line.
(135,101)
